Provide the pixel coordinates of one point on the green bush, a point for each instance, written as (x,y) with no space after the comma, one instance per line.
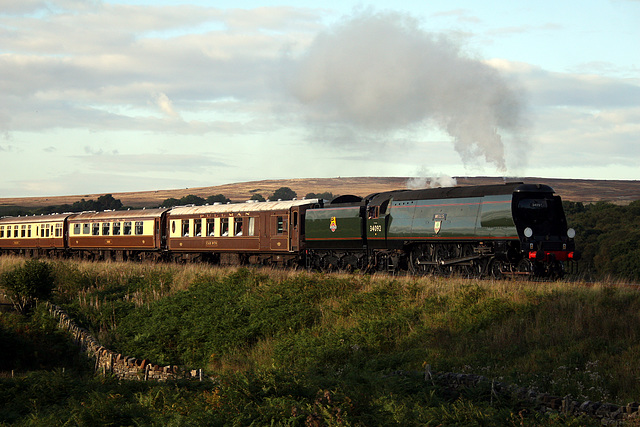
(608,236)
(28,283)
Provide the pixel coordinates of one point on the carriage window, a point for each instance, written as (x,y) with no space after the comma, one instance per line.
(126,228)
(2,231)
(85,228)
(15,231)
(42,228)
(95,229)
(237,227)
(211,226)
(252,226)
(106,226)
(76,228)
(224,226)
(197,227)
(58,230)
(139,227)
(9,231)
(116,228)
(29,230)
(280,225)
(185,228)
(24,231)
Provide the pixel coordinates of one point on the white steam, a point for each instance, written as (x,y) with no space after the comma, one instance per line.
(440,180)
(379,73)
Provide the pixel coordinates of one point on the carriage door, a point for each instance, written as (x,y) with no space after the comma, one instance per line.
(294,228)
(279,232)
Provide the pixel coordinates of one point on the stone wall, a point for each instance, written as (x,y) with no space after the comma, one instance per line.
(121,366)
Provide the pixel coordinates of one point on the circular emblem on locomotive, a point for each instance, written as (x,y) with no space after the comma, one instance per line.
(333,226)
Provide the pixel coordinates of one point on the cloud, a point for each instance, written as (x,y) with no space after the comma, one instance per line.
(373,84)
(98,159)
(95,67)
(380,73)
(165,104)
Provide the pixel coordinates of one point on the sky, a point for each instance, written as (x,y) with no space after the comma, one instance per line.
(114,96)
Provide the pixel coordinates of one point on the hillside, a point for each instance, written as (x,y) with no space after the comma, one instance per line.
(301,348)
(616,191)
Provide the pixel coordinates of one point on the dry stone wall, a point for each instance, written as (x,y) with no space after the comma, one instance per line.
(119,365)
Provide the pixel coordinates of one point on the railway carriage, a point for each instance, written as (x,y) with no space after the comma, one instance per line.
(42,235)
(256,233)
(118,235)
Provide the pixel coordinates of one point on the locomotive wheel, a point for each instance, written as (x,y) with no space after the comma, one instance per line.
(556,270)
(442,253)
(472,269)
(350,262)
(495,269)
(330,263)
(525,266)
(415,255)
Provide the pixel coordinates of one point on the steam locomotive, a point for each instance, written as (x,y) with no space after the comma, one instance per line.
(496,230)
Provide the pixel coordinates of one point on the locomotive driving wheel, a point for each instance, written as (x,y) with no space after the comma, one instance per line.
(417,258)
(495,269)
(468,268)
(441,254)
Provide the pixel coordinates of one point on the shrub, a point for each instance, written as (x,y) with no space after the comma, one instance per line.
(28,283)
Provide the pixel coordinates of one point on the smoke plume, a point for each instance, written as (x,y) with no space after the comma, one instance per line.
(379,73)
(426,179)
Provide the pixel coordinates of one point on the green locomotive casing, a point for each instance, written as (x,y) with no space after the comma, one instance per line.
(454,214)
(458,219)
(338,227)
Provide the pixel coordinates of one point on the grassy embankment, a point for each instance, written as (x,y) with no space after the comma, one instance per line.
(297,347)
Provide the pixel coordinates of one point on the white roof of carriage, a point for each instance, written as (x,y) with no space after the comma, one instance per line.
(241,207)
(118,215)
(32,219)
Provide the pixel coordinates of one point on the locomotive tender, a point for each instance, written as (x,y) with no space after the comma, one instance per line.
(509,229)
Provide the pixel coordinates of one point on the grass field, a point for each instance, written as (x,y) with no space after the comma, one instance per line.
(301,348)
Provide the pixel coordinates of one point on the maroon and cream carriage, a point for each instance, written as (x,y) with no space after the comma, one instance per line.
(255,233)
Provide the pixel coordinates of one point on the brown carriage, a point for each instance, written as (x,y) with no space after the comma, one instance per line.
(117,235)
(34,235)
(256,233)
